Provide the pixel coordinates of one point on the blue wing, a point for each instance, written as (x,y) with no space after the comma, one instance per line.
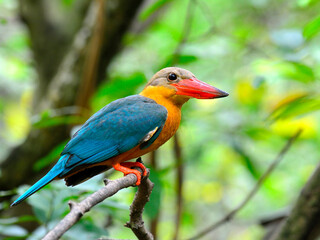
(115,129)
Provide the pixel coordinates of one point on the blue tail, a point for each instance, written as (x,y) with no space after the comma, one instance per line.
(54,172)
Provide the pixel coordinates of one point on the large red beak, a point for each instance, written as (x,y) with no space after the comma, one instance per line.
(197,89)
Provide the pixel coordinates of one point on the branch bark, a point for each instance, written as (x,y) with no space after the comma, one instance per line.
(136,223)
(179,185)
(303,221)
(77,210)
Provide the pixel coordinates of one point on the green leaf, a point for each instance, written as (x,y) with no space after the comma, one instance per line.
(15,220)
(152,8)
(285,69)
(306,3)
(184,59)
(13,230)
(296,71)
(246,159)
(188,218)
(312,28)
(181,59)
(7,193)
(3,21)
(297,106)
(67,3)
(118,87)
(56,121)
(27,218)
(56,117)
(303,3)
(48,159)
(115,205)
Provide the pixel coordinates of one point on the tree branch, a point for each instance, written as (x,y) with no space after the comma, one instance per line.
(253,192)
(62,92)
(303,221)
(136,223)
(185,34)
(88,83)
(77,210)
(179,185)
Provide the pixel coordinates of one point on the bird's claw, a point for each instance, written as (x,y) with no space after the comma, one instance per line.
(126,168)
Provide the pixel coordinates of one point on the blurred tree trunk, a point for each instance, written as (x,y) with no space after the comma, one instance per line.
(51,30)
(49,41)
(72,47)
(51,35)
(303,221)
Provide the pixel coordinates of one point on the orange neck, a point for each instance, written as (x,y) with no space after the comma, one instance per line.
(167,98)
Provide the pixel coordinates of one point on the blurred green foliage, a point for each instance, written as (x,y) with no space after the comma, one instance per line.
(265,53)
(312,28)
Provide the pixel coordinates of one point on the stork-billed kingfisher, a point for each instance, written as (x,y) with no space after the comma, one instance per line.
(127,128)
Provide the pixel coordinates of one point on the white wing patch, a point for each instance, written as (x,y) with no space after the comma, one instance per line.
(149,135)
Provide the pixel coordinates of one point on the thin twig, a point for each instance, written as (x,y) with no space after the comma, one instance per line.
(177,148)
(179,185)
(90,70)
(63,80)
(136,223)
(77,210)
(232,213)
(185,33)
(205,9)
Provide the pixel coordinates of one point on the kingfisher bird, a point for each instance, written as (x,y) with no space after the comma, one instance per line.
(126,129)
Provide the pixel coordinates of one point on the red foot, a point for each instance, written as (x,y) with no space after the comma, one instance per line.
(125,168)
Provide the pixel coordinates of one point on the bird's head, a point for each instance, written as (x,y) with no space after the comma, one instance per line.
(180,85)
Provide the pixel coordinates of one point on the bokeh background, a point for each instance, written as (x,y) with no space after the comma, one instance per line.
(62,60)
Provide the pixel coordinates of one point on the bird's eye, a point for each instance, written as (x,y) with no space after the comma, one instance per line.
(172,77)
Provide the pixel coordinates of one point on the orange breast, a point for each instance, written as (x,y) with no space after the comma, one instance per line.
(161,96)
